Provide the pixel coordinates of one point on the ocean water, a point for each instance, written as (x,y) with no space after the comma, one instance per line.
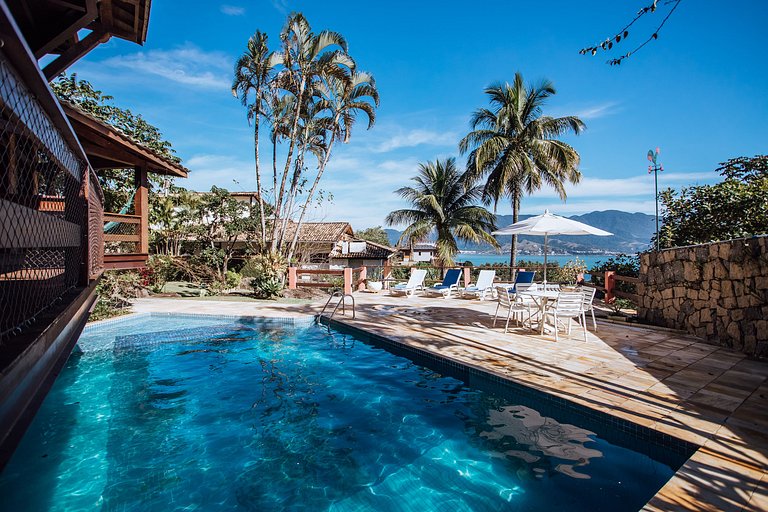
(479,259)
(172,414)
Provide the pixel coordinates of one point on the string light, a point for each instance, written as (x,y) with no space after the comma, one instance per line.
(622,34)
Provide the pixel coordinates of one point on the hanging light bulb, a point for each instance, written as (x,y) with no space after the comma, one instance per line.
(618,38)
(594,51)
(655,35)
(626,33)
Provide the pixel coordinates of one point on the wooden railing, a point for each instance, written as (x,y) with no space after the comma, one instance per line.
(124,251)
(352,279)
(610,278)
(133,220)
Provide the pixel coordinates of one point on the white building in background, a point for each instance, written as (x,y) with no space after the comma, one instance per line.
(423,252)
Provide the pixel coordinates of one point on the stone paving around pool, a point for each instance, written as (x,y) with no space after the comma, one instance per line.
(664,380)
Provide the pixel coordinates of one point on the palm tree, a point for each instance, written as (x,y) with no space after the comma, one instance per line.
(343,98)
(252,80)
(518,148)
(443,200)
(305,56)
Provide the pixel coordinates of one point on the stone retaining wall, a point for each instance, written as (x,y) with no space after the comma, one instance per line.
(716,291)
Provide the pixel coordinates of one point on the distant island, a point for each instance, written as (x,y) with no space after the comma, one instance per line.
(632,232)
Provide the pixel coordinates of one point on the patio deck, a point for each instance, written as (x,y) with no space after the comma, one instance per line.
(667,381)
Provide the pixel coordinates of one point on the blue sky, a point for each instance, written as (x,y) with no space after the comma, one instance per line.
(698,92)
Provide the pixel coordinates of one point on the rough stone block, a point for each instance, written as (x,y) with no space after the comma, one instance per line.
(733,330)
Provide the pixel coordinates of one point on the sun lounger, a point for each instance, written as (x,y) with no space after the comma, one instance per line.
(415,282)
(449,285)
(483,287)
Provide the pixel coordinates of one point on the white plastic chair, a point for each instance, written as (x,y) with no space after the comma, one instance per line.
(569,305)
(415,282)
(589,297)
(483,286)
(507,300)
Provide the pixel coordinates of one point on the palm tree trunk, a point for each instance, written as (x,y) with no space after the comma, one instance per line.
(258,180)
(294,186)
(304,208)
(515,217)
(288,160)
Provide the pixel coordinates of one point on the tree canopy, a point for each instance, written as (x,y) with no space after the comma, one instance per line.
(517,148)
(376,235)
(94,102)
(309,92)
(734,208)
(443,201)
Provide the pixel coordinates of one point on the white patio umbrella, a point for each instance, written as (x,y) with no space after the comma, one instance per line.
(549,224)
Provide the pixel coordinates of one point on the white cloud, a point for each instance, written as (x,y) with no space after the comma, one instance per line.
(597,111)
(232,10)
(415,138)
(281,6)
(188,65)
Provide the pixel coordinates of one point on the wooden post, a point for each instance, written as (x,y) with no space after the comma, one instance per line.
(291,278)
(467,276)
(348,280)
(141,208)
(386,274)
(363,277)
(610,283)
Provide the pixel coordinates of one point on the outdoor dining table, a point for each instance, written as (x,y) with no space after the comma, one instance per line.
(541,298)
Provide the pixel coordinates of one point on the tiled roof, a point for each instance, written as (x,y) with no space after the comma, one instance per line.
(424,246)
(320,231)
(372,251)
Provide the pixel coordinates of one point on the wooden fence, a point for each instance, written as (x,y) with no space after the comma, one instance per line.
(350,279)
(354,279)
(610,279)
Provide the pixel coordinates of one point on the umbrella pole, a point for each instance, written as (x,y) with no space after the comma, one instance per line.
(545,259)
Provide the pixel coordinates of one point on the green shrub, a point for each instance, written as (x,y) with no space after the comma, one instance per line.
(618,304)
(115,289)
(568,273)
(624,265)
(267,273)
(232,279)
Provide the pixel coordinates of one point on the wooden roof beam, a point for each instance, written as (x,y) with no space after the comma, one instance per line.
(90,14)
(71,55)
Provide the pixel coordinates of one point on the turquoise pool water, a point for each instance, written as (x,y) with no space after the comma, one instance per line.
(179,413)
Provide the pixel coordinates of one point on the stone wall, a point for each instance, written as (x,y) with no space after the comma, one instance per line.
(716,291)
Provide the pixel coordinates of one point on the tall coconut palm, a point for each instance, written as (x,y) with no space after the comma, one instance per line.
(517,147)
(342,98)
(252,84)
(304,56)
(443,200)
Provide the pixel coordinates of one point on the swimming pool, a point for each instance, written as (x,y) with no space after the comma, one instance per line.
(201,413)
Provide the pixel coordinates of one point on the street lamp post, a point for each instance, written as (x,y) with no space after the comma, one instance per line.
(654,168)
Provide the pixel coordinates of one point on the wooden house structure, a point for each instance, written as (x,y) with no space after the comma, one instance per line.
(51,205)
(126,242)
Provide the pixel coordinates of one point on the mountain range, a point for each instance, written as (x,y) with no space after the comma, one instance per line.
(632,232)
